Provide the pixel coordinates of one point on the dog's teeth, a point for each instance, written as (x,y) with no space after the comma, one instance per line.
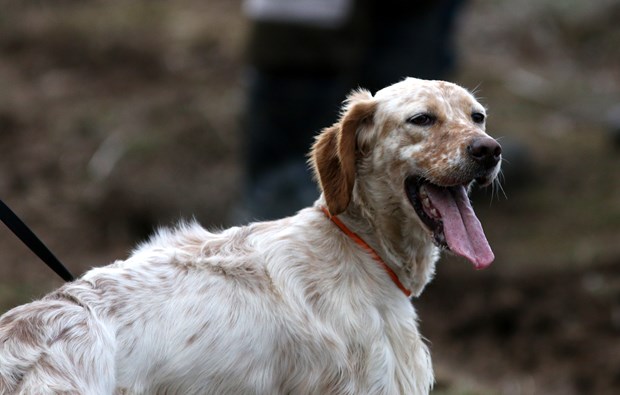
(426,202)
(422,192)
(434,213)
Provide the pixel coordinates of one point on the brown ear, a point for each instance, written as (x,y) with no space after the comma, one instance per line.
(333,154)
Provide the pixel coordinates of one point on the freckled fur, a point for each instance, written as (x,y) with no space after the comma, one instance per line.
(288,306)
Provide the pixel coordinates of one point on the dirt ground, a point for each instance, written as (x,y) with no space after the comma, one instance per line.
(117,117)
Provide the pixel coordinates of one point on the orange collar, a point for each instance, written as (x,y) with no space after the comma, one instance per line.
(358,240)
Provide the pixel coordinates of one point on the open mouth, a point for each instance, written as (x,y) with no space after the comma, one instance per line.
(447,213)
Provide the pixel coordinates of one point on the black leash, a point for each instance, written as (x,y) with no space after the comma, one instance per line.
(19,228)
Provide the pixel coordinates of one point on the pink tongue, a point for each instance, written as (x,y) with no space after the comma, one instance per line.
(461,227)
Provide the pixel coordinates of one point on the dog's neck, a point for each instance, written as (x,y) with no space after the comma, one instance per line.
(404,246)
(369,250)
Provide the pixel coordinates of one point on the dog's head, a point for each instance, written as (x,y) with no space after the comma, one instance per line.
(405,159)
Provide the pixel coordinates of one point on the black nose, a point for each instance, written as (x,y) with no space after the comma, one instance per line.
(485,151)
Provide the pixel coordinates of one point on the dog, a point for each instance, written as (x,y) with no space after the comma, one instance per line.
(316,303)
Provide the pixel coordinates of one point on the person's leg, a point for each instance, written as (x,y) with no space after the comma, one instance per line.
(293,91)
(409,39)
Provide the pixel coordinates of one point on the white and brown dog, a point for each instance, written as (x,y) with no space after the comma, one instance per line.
(316,303)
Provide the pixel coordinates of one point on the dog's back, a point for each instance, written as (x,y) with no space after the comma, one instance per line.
(249,310)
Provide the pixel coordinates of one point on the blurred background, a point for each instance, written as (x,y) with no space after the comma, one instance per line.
(118,116)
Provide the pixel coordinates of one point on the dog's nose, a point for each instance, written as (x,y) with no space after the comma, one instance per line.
(485,151)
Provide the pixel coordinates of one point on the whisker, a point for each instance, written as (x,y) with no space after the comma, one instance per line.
(504,160)
(498,181)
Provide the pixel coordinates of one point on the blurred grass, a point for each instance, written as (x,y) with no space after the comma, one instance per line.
(13,294)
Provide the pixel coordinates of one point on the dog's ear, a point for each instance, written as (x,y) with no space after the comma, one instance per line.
(333,154)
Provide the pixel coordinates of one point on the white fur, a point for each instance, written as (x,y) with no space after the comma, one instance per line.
(289,306)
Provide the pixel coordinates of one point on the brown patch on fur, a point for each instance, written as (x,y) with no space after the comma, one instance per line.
(413,139)
(64,296)
(8,319)
(192,339)
(25,331)
(271,286)
(388,126)
(443,142)
(333,154)
(50,368)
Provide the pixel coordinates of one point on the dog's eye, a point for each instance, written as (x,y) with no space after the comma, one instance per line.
(422,120)
(477,117)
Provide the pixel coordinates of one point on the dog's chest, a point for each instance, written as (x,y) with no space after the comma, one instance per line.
(355,349)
